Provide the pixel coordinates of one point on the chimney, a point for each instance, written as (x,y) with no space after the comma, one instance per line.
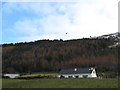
(92,68)
(75,69)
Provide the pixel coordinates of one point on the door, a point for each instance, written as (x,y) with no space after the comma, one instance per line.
(76,76)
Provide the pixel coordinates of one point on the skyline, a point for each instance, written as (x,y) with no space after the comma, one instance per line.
(29,21)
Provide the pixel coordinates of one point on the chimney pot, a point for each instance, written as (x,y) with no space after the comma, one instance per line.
(75,69)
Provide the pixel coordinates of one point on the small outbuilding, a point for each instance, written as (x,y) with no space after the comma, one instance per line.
(78,73)
(11,75)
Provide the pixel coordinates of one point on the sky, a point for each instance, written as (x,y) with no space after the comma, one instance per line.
(29,20)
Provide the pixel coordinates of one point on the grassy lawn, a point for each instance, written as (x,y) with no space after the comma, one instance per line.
(60,83)
(40,74)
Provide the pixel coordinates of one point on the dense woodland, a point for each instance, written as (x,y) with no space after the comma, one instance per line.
(54,55)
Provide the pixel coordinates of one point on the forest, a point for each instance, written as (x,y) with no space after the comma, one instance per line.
(54,55)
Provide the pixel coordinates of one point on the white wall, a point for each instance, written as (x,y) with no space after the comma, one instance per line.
(94,75)
(74,75)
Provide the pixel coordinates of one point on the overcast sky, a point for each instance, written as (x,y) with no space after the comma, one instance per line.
(29,21)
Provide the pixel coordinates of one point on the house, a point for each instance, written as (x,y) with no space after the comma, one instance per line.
(78,73)
(11,75)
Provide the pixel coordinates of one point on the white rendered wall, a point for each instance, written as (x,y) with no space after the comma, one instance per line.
(94,75)
(74,75)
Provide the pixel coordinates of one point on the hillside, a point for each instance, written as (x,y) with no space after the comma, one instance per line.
(53,55)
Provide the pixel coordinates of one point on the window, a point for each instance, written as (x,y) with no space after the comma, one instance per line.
(85,76)
(70,76)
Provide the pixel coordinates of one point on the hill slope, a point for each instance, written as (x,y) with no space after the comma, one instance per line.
(53,55)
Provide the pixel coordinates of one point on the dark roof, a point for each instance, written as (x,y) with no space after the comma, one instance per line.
(78,71)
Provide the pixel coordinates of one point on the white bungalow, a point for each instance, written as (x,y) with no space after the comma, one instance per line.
(78,73)
(12,75)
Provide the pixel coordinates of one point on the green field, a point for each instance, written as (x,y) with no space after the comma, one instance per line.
(60,83)
(40,74)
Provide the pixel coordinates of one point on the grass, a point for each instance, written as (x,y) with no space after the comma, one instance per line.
(40,74)
(60,83)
